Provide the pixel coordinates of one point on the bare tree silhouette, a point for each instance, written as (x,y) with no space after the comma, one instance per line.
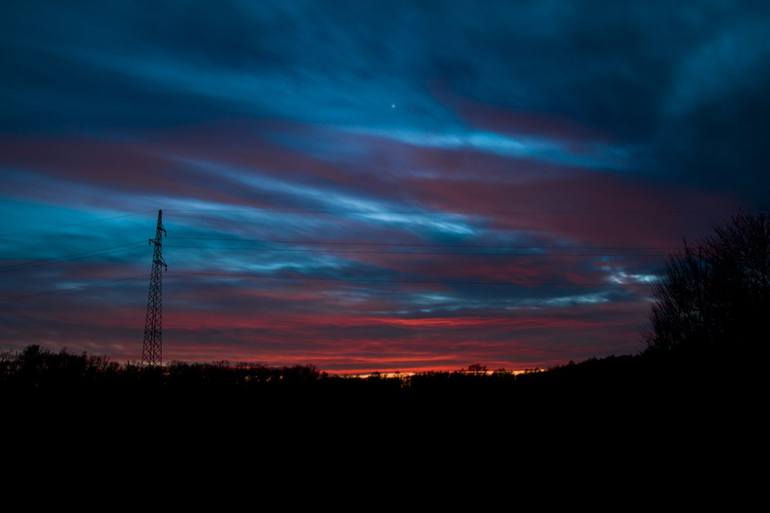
(715,295)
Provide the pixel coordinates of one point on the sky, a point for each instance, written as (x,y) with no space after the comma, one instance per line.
(368,185)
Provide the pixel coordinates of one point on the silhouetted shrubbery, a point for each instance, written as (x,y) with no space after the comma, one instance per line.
(714,297)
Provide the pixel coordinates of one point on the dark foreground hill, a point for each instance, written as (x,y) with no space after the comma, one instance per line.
(649,382)
(649,409)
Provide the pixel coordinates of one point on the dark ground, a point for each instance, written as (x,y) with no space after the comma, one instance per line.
(653,384)
(625,423)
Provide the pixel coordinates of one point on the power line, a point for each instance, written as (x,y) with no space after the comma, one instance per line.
(405,249)
(337,279)
(44,262)
(79,288)
(434,253)
(405,244)
(412,248)
(445,281)
(25,233)
(245,209)
(342,280)
(510,251)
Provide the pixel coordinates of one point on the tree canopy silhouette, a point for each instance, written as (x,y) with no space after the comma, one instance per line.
(714,296)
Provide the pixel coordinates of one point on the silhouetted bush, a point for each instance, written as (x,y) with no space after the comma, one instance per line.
(714,296)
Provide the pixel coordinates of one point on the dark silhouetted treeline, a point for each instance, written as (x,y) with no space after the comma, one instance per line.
(670,399)
(40,373)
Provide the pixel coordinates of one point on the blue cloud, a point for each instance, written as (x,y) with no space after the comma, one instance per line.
(367,113)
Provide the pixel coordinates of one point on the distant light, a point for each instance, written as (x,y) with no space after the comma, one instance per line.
(392,105)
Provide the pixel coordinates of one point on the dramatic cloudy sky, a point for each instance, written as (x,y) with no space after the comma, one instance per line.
(368,185)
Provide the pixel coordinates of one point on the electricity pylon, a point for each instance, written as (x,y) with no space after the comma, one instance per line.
(152,347)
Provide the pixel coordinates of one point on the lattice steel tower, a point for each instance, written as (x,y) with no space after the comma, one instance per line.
(152,347)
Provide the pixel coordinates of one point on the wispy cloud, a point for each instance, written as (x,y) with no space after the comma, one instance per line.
(361,187)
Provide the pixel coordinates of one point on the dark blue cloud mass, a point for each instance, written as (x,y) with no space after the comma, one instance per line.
(369,184)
